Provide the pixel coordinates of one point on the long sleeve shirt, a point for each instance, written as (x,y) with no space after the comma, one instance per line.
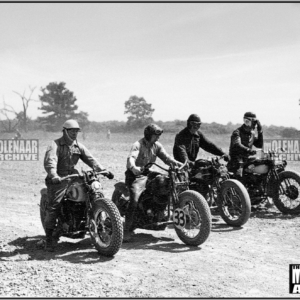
(61,158)
(142,153)
(187,145)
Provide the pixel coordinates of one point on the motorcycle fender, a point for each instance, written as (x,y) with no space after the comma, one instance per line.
(121,186)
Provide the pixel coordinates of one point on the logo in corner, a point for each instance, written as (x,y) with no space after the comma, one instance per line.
(16,150)
(295,279)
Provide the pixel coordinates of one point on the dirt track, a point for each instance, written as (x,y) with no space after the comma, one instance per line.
(252,261)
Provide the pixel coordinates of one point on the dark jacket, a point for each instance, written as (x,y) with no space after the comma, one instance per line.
(187,145)
(241,143)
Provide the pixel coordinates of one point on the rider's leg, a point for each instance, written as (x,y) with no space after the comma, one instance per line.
(55,195)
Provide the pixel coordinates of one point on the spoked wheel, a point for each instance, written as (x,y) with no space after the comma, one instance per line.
(234,205)
(106,228)
(287,193)
(192,218)
(43,206)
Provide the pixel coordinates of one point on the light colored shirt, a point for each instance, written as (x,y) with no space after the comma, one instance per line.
(142,153)
(61,158)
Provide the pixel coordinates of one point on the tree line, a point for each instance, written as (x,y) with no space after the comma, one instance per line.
(59,104)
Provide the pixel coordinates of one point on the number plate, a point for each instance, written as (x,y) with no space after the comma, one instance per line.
(179,218)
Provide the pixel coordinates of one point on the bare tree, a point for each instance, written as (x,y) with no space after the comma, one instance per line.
(11,123)
(25,103)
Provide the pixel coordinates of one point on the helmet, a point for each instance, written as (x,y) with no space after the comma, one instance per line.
(193,118)
(70,124)
(151,130)
(250,114)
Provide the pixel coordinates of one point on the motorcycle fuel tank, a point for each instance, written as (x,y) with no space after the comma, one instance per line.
(260,169)
(76,192)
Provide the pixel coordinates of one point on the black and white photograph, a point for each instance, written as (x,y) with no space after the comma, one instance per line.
(150,149)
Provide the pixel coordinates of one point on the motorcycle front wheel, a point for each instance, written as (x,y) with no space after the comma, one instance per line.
(235,204)
(192,219)
(43,208)
(106,227)
(288,199)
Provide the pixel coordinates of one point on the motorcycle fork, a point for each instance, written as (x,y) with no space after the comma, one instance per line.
(281,188)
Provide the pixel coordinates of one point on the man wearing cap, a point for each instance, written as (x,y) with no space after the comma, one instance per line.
(242,140)
(189,140)
(142,152)
(60,160)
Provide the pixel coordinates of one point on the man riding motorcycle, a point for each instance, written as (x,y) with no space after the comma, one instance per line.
(142,152)
(242,140)
(60,160)
(189,141)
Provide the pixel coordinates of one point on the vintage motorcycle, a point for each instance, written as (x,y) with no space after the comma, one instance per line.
(166,200)
(211,178)
(264,176)
(85,209)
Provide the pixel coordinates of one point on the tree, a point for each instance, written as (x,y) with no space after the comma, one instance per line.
(58,103)
(140,112)
(11,123)
(25,102)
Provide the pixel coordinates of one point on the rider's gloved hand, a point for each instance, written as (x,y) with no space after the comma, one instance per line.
(176,163)
(259,127)
(226,157)
(252,152)
(56,180)
(136,170)
(109,175)
(191,164)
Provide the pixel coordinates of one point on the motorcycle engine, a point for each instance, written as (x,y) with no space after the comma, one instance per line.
(73,214)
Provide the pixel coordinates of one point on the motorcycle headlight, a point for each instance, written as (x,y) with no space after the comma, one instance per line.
(96,185)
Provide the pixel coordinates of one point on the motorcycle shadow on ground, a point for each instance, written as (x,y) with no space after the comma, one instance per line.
(270,213)
(146,240)
(71,250)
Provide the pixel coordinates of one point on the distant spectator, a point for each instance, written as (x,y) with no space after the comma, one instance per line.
(17,135)
(108,134)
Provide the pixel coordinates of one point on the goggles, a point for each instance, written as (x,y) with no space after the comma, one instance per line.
(249,121)
(195,124)
(76,130)
(158,132)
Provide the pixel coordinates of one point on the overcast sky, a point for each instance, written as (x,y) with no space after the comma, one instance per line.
(215,59)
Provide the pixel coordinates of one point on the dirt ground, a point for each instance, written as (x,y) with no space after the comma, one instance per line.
(252,261)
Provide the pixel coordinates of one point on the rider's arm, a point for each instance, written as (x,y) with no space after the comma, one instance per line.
(164,156)
(89,159)
(133,154)
(209,146)
(236,141)
(50,160)
(259,140)
(179,149)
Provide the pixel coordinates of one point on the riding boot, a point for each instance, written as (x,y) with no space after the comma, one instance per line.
(128,228)
(49,240)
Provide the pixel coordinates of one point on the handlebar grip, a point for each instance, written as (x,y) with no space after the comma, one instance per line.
(69,176)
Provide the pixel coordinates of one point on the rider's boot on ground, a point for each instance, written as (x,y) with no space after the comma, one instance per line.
(49,246)
(128,232)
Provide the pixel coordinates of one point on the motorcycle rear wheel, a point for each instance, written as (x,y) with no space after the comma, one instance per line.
(106,227)
(198,218)
(43,207)
(289,202)
(235,204)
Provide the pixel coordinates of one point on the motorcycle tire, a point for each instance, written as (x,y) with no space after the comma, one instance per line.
(234,203)
(43,207)
(197,217)
(290,202)
(121,201)
(106,227)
